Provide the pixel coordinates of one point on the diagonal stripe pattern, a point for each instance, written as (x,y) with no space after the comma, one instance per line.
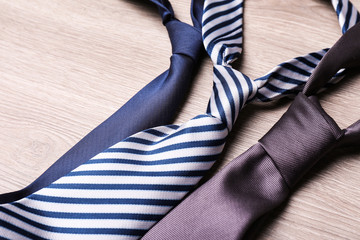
(347,14)
(123,191)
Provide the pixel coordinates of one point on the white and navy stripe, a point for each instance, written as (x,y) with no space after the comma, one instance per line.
(347,14)
(231,90)
(288,78)
(222,29)
(123,191)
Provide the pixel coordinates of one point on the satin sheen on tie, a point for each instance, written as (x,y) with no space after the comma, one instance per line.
(156,104)
(123,191)
(261,178)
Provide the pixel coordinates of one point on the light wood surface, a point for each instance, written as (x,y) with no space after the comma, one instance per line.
(65,66)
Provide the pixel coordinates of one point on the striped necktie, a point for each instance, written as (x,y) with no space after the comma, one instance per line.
(260,179)
(156,104)
(124,190)
(347,14)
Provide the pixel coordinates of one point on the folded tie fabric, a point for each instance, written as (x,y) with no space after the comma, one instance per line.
(125,189)
(156,104)
(261,178)
(347,14)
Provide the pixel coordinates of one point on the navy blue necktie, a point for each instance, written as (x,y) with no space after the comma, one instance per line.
(155,104)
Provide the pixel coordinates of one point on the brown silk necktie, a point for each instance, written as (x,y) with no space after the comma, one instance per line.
(262,178)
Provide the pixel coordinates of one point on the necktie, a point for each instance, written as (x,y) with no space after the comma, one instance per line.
(261,178)
(347,14)
(155,104)
(124,190)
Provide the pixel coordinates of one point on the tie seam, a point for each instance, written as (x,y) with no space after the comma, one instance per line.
(276,166)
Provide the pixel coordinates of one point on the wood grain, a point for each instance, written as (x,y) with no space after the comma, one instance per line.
(65,66)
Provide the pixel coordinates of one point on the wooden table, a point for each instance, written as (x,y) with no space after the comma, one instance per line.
(65,66)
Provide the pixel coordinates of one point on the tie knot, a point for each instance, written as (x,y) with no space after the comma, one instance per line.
(165,10)
(313,133)
(222,30)
(231,90)
(185,39)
